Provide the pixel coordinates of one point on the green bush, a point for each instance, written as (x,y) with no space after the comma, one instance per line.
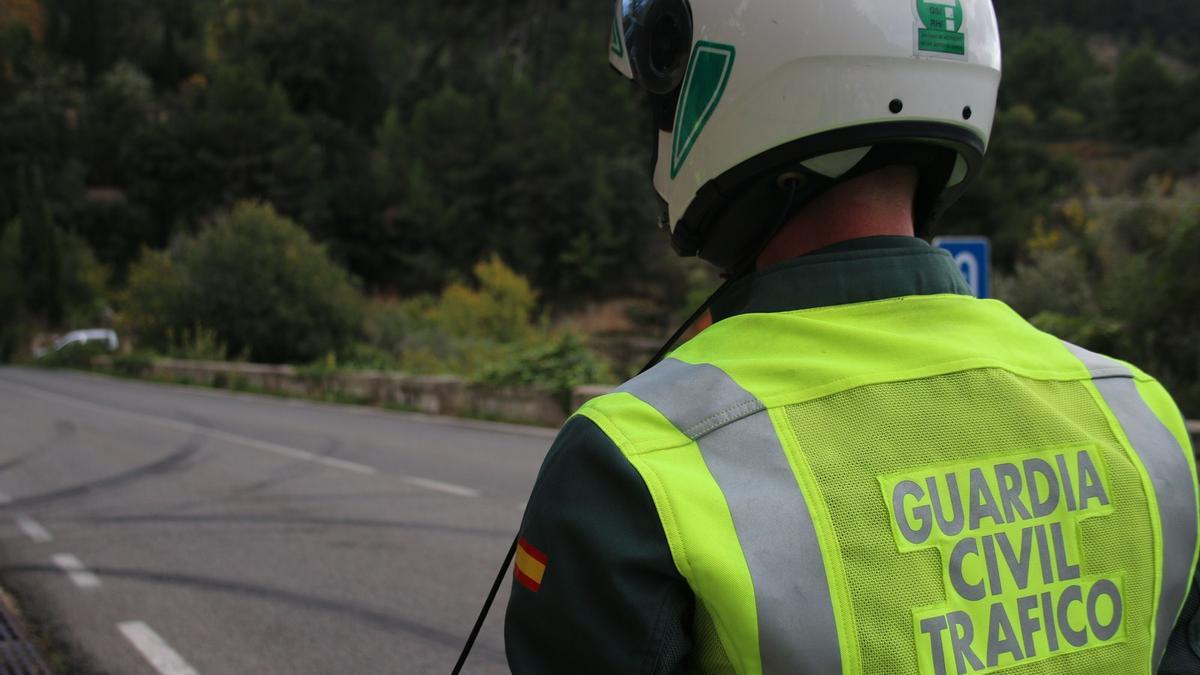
(362,356)
(408,332)
(461,330)
(256,281)
(558,366)
(73,356)
(1118,276)
(77,280)
(500,308)
(199,343)
(319,371)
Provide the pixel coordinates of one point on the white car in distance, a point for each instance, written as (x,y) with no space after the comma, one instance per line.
(83,337)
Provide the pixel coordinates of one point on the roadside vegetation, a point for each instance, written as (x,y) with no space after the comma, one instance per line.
(382,186)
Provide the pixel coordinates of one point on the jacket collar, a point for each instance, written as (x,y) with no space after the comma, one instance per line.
(860,270)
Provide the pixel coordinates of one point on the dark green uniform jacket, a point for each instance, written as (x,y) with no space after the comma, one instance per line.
(610,599)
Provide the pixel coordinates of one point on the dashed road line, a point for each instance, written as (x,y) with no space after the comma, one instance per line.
(190,428)
(34,530)
(439,486)
(284,450)
(156,650)
(76,572)
(5,498)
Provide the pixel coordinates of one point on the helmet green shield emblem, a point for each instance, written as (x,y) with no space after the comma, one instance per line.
(616,46)
(708,72)
(940,29)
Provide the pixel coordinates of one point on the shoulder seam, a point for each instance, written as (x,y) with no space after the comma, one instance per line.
(723,418)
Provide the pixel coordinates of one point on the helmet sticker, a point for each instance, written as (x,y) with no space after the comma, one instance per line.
(707,74)
(940,29)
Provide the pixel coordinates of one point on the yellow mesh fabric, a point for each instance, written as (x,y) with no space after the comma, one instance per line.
(851,438)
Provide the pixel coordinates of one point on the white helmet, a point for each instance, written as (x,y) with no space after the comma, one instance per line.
(755,94)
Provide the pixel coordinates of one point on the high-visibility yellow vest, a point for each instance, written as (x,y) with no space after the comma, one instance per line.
(917,485)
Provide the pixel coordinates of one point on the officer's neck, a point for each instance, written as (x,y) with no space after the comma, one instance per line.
(879,203)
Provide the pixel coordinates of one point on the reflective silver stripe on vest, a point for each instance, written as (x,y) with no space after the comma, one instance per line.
(797,632)
(1170,473)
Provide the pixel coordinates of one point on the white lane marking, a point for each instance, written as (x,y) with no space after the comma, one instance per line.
(4,498)
(34,530)
(439,486)
(190,428)
(79,575)
(156,650)
(522,506)
(267,446)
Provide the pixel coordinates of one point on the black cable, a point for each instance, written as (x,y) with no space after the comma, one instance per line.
(704,306)
(487,606)
(735,275)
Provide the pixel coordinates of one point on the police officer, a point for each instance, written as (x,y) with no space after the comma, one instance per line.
(858,468)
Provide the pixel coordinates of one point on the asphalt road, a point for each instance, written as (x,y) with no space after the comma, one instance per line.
(209,532)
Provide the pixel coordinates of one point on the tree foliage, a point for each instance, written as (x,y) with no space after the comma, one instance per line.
(47,277)
(255,279)
(416,143)
(1172,22)
(1047,68)
(1117,275)
(1021,178)
(412,142)
(1146,95)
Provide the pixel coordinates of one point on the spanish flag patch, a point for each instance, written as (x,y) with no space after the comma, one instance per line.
(531,565)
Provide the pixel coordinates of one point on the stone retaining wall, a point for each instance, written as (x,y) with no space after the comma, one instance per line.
(436,395)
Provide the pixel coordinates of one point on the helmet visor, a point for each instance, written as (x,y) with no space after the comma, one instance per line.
(650,42)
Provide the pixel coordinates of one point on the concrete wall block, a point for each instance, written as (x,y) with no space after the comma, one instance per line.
(438,394)
(390,389)
(290,384)
(509,404)
(419,393)
(366,385)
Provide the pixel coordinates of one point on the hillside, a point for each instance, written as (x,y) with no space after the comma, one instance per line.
(412,145)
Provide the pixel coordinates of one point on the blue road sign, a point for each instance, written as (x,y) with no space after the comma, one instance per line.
(973,255)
